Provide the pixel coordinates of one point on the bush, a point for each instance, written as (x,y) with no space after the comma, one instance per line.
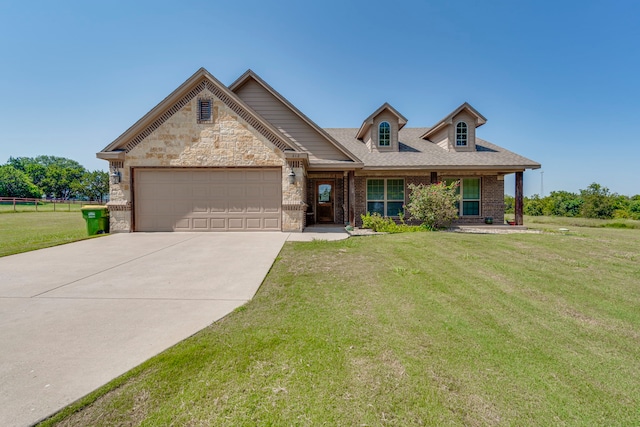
(378,223)
(434,205)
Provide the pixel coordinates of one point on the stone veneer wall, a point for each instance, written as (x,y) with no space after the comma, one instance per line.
(492,197)
(227,142)
(293,196)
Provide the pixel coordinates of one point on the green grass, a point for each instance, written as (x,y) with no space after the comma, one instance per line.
(409,329)
(550,222)
(28,231)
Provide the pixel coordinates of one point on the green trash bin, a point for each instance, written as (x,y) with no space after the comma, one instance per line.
(97,218)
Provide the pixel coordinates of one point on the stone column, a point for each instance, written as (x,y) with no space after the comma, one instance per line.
(519,208)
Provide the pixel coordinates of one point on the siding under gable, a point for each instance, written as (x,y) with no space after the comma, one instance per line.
(289,123)
(441,138)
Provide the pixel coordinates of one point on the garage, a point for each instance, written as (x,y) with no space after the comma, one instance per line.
(207,199)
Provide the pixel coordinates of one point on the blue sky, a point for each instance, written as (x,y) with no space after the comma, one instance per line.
(557,80)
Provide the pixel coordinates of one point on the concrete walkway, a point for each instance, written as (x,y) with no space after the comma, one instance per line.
(329,232)
(76,316)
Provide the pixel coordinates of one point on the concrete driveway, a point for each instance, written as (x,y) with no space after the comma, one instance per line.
(76,316)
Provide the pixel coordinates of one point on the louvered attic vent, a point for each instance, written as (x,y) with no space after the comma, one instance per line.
(205,110)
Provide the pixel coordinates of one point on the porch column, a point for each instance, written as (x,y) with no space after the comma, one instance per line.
(519,208)
(352,199)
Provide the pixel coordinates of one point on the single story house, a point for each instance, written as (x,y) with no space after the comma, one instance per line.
(240,158)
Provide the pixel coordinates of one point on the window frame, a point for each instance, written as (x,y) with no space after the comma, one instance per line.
(460,204)
(462,131)
(387,136)
(205,115)
(385,200)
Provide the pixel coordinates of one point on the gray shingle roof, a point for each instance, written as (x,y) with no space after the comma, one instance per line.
(419,153)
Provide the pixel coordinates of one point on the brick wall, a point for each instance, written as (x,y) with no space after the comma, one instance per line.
(492,197)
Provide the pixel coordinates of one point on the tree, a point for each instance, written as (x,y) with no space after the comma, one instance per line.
(60,182)
(509,204)
(634,207)
(598,202)
(562,203)
(56,176)
(93,185)
(15,183)
(435,205)
(533,205)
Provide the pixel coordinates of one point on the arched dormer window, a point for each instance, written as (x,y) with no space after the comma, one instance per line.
(384,134)
(461,134)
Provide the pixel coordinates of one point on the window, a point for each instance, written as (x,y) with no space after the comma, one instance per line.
(461,134)
(384,134)
(470,197)
(204,111)
(385,196)
(470,200)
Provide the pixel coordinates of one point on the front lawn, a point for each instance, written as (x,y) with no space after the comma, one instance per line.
(28,231)
(410,329)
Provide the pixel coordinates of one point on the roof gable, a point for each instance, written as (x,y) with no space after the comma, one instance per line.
(368,122)
(250,77)
(188,90)
(448,120)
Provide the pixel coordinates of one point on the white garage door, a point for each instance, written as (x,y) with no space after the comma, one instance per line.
(207,199)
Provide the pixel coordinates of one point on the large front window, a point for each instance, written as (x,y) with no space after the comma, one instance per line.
(385,196)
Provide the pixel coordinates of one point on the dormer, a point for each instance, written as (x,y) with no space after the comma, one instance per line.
(457,131)
(380,130)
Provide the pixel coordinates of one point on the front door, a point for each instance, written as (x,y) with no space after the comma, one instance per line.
(324,201)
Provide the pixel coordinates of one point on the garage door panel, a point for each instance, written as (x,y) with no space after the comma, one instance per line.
(200,223)
(254,223)
(236,223)
(271,224)
(207,199)
(219,224)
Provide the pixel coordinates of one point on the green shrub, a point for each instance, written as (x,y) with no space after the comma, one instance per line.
(434,205)
(378,223)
